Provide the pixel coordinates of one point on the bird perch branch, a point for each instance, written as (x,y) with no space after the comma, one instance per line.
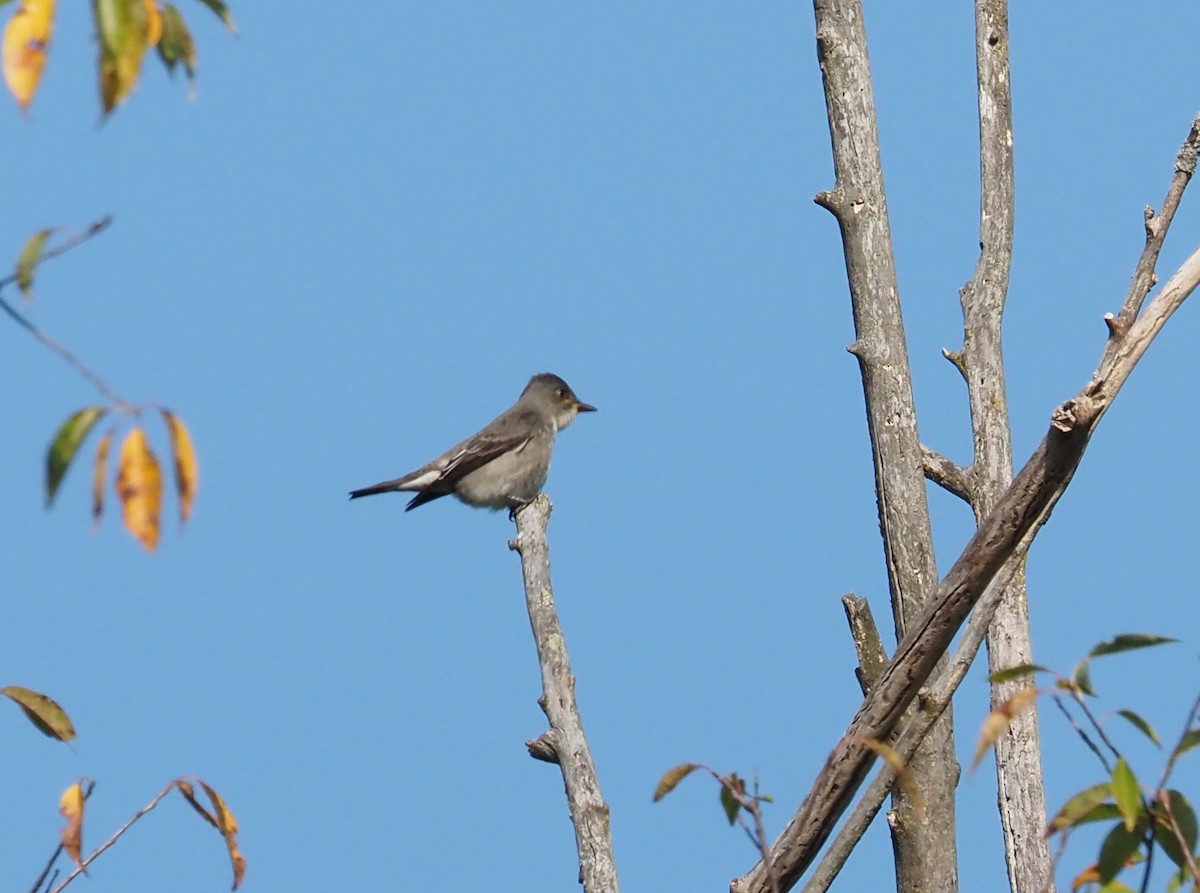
(564,742)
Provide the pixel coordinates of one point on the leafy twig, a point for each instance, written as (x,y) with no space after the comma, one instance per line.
(77,364)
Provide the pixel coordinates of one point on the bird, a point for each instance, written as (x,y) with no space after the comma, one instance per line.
(503,466)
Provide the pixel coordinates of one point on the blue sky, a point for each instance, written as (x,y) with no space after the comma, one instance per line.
(355,247)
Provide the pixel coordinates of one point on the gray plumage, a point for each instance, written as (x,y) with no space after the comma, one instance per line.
(504,465)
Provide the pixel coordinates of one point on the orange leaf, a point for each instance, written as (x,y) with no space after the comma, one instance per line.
(99,473)
(904,777)
(139,486)
(998,721)
(154,23)
(187,471)
(228,826)
(26,40)
(71,807)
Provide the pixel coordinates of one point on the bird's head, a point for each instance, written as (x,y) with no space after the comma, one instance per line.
(554,396)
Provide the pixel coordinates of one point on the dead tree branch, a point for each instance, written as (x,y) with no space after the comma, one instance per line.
(923,838)
(564,742)
(1019,512)
(1021,797)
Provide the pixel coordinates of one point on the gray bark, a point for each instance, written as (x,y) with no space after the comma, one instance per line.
(923,837)
(1021,797)
(1013,522)
(564,742)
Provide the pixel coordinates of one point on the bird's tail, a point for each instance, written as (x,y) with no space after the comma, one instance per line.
(385,487)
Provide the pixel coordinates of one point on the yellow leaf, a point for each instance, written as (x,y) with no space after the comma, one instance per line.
(187,470)
(154,23)
(26,40)
(669,781)
(71,807)
(896,763)
(228,826)
(139,486)
(99,473)
(998,721)
(124,30)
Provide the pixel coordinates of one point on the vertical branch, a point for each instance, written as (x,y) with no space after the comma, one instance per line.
(564,742)
(1006,531)
(1021,796)
(923,839)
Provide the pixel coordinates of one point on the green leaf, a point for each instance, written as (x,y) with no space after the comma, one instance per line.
(1185,818)
(1190,739)
(222,9)
(1127,794)
(1140,724)
(1073,811)
(1081,678)
(28,259)
(65,445)
(1101,812)
(176,43)
(1178,879)
(1128,642)
(1115,887)
(124,29)
(732,788)
(669,781)
(1118,846)
(1017,672)
(42,711)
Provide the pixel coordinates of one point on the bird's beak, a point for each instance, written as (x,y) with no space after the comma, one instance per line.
(584,407)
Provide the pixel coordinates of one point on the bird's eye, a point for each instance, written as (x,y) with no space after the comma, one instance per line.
(560,392)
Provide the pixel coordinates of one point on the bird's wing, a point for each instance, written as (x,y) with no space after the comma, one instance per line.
(477,452)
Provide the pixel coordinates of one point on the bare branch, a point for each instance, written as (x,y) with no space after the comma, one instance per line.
(1022,799)
(565,738)
(946,474)
(872,799)
(1021,511)
(1156,233)
(80,869)
(923,838)
(868,645)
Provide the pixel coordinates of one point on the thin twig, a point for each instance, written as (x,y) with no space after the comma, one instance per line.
(1184,846)
(1108,742)
(1144,276)
(70,358)
(1189,720)
(1092,746)
(1164,796)
(73,242)
(79,869)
